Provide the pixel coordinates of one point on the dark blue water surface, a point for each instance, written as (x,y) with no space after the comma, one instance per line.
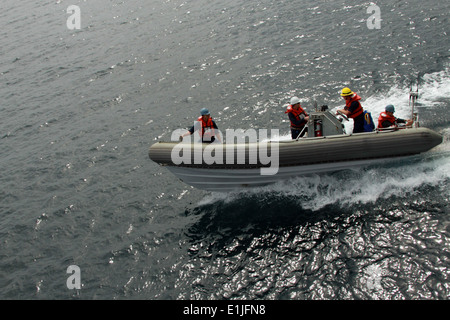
(80,108)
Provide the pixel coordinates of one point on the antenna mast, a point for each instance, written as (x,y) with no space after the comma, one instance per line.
(413,96)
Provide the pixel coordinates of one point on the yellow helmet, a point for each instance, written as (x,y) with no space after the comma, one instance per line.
(346,92)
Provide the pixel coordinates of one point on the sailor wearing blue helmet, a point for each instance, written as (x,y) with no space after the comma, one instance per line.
(205,126)
(387,119)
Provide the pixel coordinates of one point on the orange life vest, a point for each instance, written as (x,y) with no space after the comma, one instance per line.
(206,125)
(385,117)
(296,114)
(358,111)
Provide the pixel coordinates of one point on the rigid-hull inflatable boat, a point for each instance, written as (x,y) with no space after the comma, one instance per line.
(230,166)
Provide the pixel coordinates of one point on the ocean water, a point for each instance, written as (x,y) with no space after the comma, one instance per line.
(80,108)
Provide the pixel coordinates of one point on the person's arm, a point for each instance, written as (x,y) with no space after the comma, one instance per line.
(386,124)
(296,122)
(189,132)
(349,111)
(344,112)
(406,122)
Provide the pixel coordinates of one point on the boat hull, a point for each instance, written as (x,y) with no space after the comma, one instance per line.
(293,158)
(226,180)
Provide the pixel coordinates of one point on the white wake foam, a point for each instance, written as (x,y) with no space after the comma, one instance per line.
(359,186)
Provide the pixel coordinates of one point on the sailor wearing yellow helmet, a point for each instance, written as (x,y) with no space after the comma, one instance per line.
(353,109)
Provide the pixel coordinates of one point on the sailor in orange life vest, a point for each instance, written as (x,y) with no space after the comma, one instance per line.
(353,109)
(298,117)
(205,125)
(387,119)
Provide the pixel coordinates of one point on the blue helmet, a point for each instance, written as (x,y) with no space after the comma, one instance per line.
(204,112)
(390,108)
